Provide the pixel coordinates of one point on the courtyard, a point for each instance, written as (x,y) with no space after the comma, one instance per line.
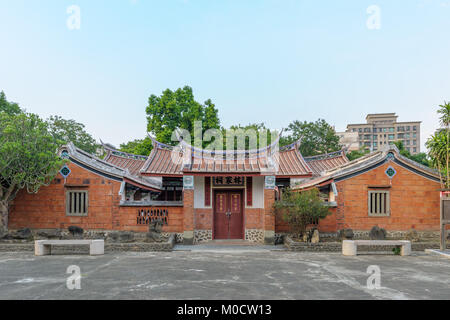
(244,273)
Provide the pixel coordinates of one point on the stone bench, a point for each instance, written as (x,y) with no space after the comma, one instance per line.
(43,247)
(349,247)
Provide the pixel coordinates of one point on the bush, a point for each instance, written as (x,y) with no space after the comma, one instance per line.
(299,209)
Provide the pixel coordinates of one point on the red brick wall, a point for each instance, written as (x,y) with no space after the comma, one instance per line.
(325,225)
(414,201)
(269,217)
(204,219)
(46,209)
(128,218)
(188,220)
(254,218)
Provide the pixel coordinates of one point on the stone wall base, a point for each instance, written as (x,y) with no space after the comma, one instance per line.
(201,236)
(254,235)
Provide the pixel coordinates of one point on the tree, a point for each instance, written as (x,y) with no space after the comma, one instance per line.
(72,131)
(8,107)
(355,154)
(316,137)
(419,158)
(437,150)
(248,132)
(178,109)
(28,157)
(444,111)
(138,146)
(299,209)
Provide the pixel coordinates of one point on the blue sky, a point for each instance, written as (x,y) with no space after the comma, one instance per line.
(259,61)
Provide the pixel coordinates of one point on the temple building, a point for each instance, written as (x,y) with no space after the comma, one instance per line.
(201,195)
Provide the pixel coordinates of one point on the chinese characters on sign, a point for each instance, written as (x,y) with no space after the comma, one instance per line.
(228,181)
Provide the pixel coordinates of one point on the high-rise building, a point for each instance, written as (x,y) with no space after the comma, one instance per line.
(349,140)
(383,128)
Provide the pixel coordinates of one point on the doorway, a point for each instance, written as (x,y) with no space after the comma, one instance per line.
(228,214)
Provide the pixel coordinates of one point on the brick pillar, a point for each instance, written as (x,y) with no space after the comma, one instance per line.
(269,217)
(188,216)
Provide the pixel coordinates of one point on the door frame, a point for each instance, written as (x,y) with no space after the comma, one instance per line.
(228,190)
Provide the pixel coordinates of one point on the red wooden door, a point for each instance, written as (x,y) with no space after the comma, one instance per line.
(228,215)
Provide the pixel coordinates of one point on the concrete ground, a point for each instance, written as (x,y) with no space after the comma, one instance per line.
(224,274)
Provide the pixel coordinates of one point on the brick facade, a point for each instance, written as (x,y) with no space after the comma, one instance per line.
(47,208)
(414,201)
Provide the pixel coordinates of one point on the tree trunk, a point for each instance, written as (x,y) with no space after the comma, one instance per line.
(4,211)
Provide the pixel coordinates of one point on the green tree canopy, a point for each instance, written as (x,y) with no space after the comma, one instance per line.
(138,146)
(28,157)
(419,158)
(355,154)
(250,131)
(316,137)
(437,150)
(178,109)
(72,131)
(8,107)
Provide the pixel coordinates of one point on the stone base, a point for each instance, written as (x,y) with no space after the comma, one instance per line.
(188,238)
(269,237)
(201,236)
(254,235)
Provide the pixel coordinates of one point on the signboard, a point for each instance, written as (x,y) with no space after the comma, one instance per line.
(228,181)
(188,182)
(446,211)
(445,217)
(269,182)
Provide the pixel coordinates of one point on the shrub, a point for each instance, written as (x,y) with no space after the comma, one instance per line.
(299,209)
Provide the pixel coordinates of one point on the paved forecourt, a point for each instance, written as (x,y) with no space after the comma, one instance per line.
(244,274)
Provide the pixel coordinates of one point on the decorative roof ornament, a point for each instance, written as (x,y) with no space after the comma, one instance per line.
(64,154)
(390,156)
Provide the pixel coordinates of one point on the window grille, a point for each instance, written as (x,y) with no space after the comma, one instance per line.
(77,203)
(379,203)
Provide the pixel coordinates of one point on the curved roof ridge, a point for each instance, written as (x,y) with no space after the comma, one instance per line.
(96,163)
(122,154)
(326,155)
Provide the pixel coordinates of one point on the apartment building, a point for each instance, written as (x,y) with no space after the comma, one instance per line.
(383,128)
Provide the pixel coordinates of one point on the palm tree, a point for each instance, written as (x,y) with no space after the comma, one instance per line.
(444,111)
(437,151)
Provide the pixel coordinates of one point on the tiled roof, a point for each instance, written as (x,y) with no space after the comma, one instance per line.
(163,161)
(365,163)
(132,164)
(109,169)
(326,162)
(160,162)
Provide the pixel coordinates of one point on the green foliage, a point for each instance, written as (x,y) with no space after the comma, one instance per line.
(397,251)
(437,150)
(355,154)
(178,109)
(300,208)
(439,146)
(243,131)
(138,146)
(317,137)
(419,158)
(28,157)
(72,131)
(10,108)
